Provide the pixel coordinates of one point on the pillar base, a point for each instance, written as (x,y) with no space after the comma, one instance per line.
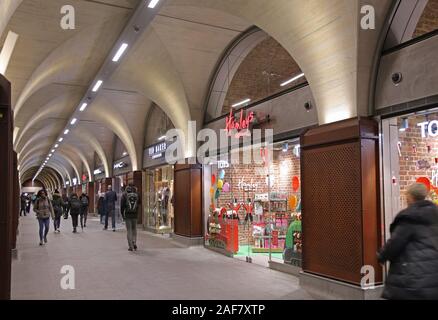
(324,288)
(285,268)
(187,241)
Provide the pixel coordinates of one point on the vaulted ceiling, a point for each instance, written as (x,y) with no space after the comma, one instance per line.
(170,65)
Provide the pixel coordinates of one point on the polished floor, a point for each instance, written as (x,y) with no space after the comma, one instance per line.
(160,269)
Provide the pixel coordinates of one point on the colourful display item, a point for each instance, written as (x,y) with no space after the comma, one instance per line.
(213,180)
(295,183)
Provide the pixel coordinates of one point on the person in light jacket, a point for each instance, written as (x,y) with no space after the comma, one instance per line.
(44,210)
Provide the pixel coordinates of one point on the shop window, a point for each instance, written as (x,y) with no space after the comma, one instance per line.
(158,206)
(252,216)
(410,155)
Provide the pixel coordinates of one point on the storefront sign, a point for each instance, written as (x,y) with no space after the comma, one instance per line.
(247,186)
(98,171)
(84,177)
(241,125)
(158,150)
(120,165)
(429,128)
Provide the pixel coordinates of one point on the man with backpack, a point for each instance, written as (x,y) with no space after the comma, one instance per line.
(57,205)
(85,200)
(75,210)
(129,206)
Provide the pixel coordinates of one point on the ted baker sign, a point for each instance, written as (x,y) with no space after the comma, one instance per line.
(429,128)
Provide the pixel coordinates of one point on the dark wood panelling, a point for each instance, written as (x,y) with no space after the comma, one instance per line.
(340,204)
(6,188)
(188,200)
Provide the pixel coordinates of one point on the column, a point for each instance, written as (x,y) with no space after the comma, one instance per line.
(6,188)
(340,200)
(188,202)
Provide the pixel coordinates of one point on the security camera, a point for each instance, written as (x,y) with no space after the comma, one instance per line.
(308,106)
(136,28)
(397,78)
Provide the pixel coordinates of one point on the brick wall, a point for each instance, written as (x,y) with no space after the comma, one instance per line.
(409,169)
(285,166)
(251,79)
(429,19)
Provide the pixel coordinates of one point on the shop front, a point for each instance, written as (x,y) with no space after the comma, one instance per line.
(410,154)
(158,190)
(254,208)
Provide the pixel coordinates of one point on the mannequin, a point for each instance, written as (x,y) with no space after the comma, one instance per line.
(249,208)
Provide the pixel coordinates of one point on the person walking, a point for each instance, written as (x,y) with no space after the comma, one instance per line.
(413,250)
(57,205)
(85,200)
(65,207)
(110,206)
(129,206)
(23,204)
(44,210)
(75,210)
(101,207)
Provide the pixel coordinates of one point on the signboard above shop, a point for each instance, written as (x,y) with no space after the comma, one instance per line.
(158,150)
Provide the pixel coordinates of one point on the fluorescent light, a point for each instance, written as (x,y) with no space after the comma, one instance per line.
(53,150)
(50,155)
(153,3)
(84,105)
(97,85)
(60,139)
(56,146)
(73,121)
(292,80)
(66,131)
(119,53)
(161,138)
(241,103)
(47,158)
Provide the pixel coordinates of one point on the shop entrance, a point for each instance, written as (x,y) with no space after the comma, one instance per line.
(254,209)
(158,204)
(410,154)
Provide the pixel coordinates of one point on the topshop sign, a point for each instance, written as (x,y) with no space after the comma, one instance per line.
(429,128)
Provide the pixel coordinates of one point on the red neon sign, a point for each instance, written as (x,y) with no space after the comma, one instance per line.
(231,123)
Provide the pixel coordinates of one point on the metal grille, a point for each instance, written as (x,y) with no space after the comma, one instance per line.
(332,224)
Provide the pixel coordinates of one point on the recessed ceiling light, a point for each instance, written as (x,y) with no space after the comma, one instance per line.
(73,121)
(56,146)
(66,131)
(120,52)
(241,103)
(97,85)
(84,105)
(53,150)
(60,139)
(153,3)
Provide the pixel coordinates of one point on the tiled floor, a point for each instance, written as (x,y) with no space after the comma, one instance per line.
(160,269)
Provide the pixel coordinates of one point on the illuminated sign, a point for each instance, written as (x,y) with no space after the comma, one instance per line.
(84,177)
(222,164)
(241,126)
(120,165)
(158,150)
(429,128)
(98,171)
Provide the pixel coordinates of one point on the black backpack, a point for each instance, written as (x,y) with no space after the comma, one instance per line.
(75,204)
(84,201)
(131,203)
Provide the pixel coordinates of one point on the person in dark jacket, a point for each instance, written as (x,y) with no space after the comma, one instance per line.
(101,207)
(75,207)
(57,205)
(23,204)
(413,250)
(66,206)
(85,200)
(110,207)
(129,206)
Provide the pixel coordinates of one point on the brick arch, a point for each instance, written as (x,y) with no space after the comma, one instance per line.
(429,19)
